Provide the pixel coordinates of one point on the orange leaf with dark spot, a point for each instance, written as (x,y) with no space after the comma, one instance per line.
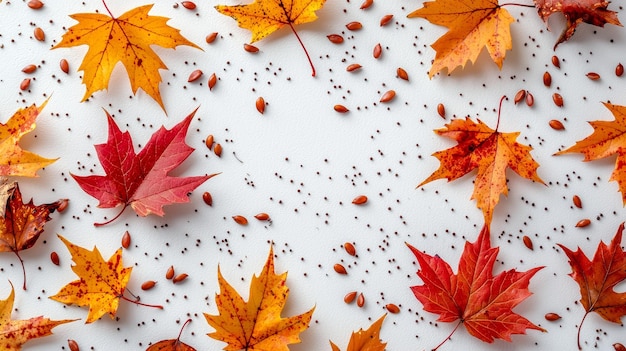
(365,340)
(172,344)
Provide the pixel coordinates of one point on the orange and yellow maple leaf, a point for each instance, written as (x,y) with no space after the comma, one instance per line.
(365,340)
(15,333)
(256,324)
(15,161)
(127,39)
(101,284)
(473,25)
(489,151)
(607,139)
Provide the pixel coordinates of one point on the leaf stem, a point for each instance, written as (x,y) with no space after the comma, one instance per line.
(516,4)
(112,219)
(17,253)
(448,337)
(303,47)
(499,110)
(137,302)
(107,8)
(580,327)
(181,329)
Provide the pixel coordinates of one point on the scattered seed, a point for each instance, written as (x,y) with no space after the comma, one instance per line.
(194,75)
(65,67)
(54,257)
(555,61)
(388,96)
(349,297)
(366,4)
(29,68)
(619,70)
(577,201)
(211,37)
(385,20)
(519,96)
(556,124)
(209,141)
(250,48)
(441,110)
(335,38)
(341,108)
(360,200)
(392,308)
(619,347)
(241,220)
(260,104)
(207,198)
(350,249)
(353,67)
(212,81)
(35,4)
(552,316)
(126,240)
(63,205)
(401,73)
(170,273)
(527,242)
(583,223)
(547,79)
(360,300)
(148,284)
(179,278)
(558,99)
(39,34)
(339,268)
(593,75)
(378,50)
(25,84)
(73,345)
(217,150)
(530,99)
(354,26)
(189,5)
(262,216)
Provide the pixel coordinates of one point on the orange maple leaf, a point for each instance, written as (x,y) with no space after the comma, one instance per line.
(598,277)
(607,139)
(473,24)
(14,161)
(172,344)
(264,17)
(489,151)
(101,284)
(365,340)
(256,324)
(15,333)
(127,39)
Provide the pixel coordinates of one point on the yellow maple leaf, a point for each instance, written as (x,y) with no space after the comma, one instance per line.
(473,25)
(127,39)
(365,340)
(264,17)
(15,161)
(15,333)
(256,324)
(607,139)
(101,284)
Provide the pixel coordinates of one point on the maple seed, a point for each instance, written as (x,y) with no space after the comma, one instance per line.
(519,96)
(349,297)
(359,200)
(126,240)
(556,124)
(217,150)
(530,99)
(65,67)
(212,81)
(25,84)
(619,347)
(583,223)
(339,268)
(558,99)
(39,34)
(170,273)
(577,201)
(528,242)
(54,257)
(35,4)
(378,50)
(556,62)
(385,20)
(401,73)
(262,216)
(260,105)
(441,110)
(194,75)
(360,300)
(547,79)
(73,345)
(179,278)
(392,308)
(388,96)
(366,4)
(207,198)
(211,38)
(147,285)
(353,67)
(350,249)
(341,108)
(593,76)
(619,70)
(29,69)
(209,141)
(250,48)
(335,38)
(241,220)
(354,26)
(552,317)
(189,5)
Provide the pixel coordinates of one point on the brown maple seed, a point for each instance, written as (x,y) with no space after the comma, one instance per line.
(354,25)
(527,242)
(619,70)
(39,34)
(212,81)
(558,99)
(349,297)
(583,223)
(179,278)
(401,73)
(350,249)
(378,50)
(392,308)
(341,108)
(65,67)
(388,96)
(217,150)
(29,68)
(577,201)
(25,84)
(207,198)
(250,48)
(555,61)
(194,75)
(126,240)
(241,220)
(359,200)
(72,345)
(262,216)
(63,205)
(519,96)
(339,268)
(556,124)
(619,347)
(189,5)
(552,316)
(335,38)
(441,110)
(260,104)
(360,300)
(385,20)
(353,67)
(366,4)
(54,257)
(593,75)
(35,4)
(209,141)
(530,99)
(148,284)
(170,273)
(547,79)
(211,38)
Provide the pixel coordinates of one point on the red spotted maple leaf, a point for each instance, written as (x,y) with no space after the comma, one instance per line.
(141,180)
(474,296)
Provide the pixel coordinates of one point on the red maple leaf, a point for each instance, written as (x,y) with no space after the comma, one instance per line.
(141,180)
(475,297)
(598,277)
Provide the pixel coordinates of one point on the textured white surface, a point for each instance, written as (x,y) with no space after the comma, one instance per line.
(303,163)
